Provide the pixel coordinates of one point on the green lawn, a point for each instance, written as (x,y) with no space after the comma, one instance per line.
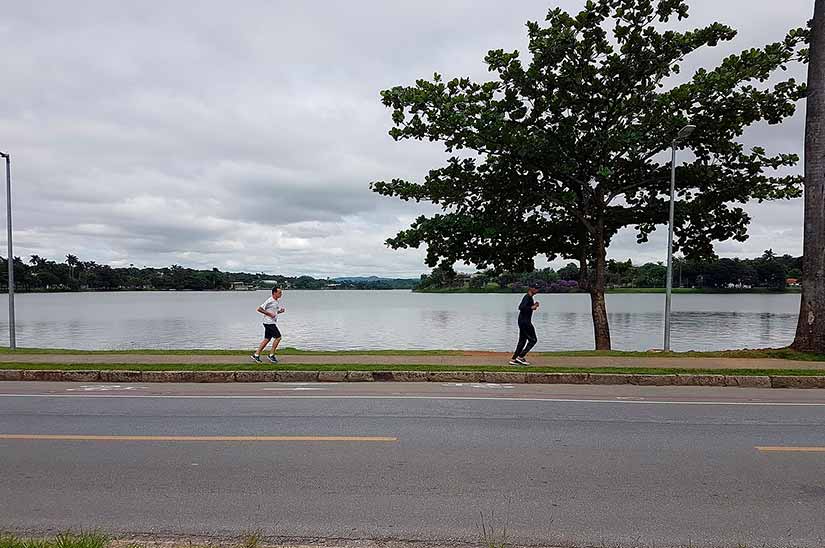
(239,352)
(775,353)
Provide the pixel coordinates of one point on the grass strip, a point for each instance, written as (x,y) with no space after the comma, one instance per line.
(772,353)
(241,352)
(99,540)
(409,367)
(63,540)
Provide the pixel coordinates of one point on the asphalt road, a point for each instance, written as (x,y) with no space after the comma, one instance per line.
(558,465)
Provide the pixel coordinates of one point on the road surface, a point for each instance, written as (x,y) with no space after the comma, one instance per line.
(558,465)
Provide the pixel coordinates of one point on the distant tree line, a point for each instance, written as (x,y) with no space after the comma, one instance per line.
(770,271)
(40,274)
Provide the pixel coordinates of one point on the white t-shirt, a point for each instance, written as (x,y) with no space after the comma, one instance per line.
(271,305)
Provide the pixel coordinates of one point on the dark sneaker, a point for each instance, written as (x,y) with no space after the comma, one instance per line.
(273,359)
(256,358)
(514,362)
(522,361)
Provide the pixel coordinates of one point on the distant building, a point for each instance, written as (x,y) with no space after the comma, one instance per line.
(241,286)
(792,282)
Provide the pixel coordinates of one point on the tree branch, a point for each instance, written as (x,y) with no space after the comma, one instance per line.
(627,188)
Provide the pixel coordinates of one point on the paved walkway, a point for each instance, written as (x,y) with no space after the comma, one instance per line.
(470,359)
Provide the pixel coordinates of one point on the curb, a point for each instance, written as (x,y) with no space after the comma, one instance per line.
(502,377)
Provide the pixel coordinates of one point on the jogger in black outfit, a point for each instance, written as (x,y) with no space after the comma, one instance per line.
(526,332)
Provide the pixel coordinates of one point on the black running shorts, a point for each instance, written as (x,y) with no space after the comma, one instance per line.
(271,331)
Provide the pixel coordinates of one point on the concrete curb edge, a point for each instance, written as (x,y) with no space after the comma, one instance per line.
(501,377)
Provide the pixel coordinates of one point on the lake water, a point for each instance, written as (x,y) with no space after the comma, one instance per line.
(348,320)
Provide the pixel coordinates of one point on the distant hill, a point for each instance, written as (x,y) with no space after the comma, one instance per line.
(372,279)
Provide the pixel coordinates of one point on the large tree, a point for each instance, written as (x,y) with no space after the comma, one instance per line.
(556,154)
(810,330)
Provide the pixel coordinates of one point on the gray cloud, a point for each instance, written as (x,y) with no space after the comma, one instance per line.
(163,133)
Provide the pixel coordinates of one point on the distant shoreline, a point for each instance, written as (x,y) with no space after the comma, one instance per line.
(445,291)
(628,290)
(135,290)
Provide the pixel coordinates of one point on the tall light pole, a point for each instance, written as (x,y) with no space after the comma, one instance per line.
(10,262)
(683,134)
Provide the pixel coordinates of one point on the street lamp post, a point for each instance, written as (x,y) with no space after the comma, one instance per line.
(683,134)
(10,262)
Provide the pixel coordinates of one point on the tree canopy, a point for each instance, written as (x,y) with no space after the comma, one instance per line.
(766,273)
(560,151)
(43,274)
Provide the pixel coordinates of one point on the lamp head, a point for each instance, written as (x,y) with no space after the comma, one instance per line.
(685,132)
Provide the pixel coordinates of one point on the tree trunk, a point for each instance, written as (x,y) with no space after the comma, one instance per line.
(810,330)
(598,307)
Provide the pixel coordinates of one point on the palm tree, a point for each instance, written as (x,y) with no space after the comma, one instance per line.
(72,261)
(810,330)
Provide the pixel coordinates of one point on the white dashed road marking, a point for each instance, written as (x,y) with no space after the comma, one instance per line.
(102,388)
(297,388)
(482,385)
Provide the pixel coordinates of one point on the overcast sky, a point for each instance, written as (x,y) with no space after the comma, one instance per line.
(244,135)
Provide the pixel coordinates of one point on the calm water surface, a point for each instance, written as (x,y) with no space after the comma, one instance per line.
(347,320)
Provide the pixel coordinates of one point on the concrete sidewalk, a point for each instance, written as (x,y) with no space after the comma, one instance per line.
(491,359)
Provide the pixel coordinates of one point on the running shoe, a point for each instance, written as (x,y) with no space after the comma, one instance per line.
(256,358)
(273,359)
(522,361)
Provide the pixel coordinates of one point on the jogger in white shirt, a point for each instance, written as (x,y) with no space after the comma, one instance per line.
(270,309)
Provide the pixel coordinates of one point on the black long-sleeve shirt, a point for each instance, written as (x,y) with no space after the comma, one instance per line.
(525,309)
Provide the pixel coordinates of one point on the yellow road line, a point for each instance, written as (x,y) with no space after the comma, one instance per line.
(71,437)
(780,449)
